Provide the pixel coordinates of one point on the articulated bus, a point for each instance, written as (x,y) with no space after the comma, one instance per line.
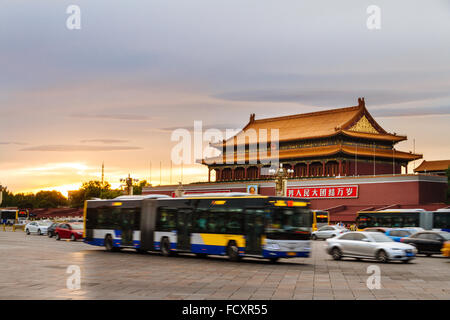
(441,219)
(320,218)
(395,218)
(10,217)
(235,225)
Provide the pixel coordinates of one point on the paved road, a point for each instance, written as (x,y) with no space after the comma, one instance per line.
(34,267)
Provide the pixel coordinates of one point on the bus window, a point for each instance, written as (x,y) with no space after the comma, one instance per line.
(234,224)
(166,219)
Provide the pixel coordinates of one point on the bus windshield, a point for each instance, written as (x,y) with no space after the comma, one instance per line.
(288,219)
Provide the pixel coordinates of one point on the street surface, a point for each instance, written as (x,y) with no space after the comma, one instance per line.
(35,267)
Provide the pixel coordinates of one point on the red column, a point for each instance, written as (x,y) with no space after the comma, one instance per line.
(232,173)
(307,169)
(245,173)
(323,168)
(340,168)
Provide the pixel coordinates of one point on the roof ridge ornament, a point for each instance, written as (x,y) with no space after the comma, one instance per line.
(361,102)
(252,117)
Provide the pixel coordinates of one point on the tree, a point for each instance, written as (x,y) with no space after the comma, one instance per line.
(90,190)
(137,188)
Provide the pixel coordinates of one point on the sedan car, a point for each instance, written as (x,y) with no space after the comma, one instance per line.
(38,227)
(369,245)
(72,231)
(51,229)
(328,232)
(375,229)
(428,242)
(398,234)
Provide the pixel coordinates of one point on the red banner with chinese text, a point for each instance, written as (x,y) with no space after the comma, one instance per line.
(323,192)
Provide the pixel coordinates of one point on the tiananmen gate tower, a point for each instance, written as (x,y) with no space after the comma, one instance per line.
(341,159)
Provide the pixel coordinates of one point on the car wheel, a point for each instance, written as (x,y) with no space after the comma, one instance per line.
(233,252)
(333,235)
(57,237)
(27,232)
(165,247)
(72,238)
(336,253)
(49,234)
(314,237)
(382,256)
(406,261)
(428,254)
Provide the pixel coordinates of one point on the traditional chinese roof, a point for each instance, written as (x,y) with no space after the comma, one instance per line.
(353,121)
(430,166)
(320,152)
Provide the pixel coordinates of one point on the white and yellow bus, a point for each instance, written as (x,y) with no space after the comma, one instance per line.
(320,218)
(235,225)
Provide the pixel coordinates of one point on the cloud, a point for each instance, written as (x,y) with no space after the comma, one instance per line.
(128,117)
(77,148)
(105,141)
(12,142)
(331,97)
(411,112)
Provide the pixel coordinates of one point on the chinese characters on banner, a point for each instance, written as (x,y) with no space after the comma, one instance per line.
(324,192)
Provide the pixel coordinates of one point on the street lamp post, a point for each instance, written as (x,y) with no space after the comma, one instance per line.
(1,194)
(281,176)
(129,184)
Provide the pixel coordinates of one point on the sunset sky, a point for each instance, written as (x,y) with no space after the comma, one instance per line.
(115,90)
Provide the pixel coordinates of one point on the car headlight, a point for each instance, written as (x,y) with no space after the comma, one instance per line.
(79,233)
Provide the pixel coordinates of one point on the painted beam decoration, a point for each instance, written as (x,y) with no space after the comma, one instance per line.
(324,192)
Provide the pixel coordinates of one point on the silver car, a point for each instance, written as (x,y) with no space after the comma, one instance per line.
(326,232)
(369,245)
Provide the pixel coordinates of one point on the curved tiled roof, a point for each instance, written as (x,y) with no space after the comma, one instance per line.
(313,125)
(437,165)
(318,152)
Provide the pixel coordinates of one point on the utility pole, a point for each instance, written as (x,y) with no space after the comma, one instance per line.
(103,173)
(1,194)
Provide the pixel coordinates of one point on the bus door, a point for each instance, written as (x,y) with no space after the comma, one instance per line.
(184,225)
(254,230)
(127,226)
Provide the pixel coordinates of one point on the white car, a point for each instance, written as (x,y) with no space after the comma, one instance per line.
(328,232)
(38,227)
(369,245)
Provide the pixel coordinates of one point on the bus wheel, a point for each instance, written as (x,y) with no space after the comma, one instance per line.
(109,244)
(165,247)
(201,255)
(233,252)
(273,260)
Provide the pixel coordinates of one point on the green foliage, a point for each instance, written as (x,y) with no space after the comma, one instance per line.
(42,199)
(90,190)
(137,188)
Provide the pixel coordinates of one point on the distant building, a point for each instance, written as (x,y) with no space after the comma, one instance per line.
(337,142)
(438,167)
(342,160)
